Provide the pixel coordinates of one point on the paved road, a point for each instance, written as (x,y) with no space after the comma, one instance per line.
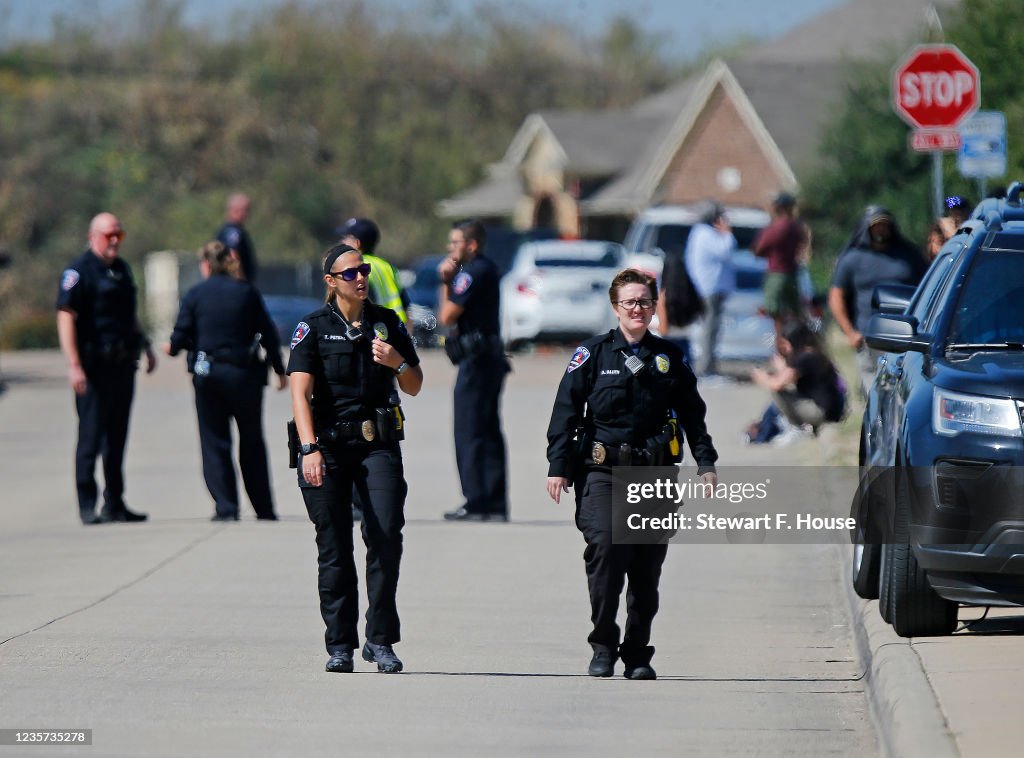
(182,636)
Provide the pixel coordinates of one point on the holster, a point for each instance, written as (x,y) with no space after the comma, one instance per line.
(471,345)
(293,444)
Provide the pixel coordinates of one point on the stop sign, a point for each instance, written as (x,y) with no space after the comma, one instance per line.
(936,87)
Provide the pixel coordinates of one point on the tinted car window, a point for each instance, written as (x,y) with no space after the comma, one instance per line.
(933,279)
(672,237)
(991,301)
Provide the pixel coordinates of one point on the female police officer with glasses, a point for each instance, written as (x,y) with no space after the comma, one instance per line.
(345,359)
(619,397)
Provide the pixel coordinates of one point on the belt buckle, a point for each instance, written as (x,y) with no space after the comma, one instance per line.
(598,453)
(369,432)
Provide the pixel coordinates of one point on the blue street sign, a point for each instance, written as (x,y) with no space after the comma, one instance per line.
(983,145)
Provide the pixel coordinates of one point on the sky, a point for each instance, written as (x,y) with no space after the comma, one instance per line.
(690,27)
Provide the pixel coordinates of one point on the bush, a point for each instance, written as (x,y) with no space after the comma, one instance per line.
(32,331)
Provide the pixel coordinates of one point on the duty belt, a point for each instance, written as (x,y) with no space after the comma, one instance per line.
(620,455)
(348,430)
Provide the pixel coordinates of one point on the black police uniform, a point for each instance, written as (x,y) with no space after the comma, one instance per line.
(109,343)
(479,442)
(222,321)
(600,396)
(235,237)
(350,392)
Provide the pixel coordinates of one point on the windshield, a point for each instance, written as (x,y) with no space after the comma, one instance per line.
(610,259)
(991,304)
(672,237)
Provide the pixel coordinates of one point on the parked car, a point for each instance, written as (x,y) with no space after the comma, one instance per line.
(747,334)
(559,289)
(664,229)
(286,311)
(939,513)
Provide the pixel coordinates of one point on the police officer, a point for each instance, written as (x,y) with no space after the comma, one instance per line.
(101,339)
(344,362)
(616,398)
(222,322)
(385,287)
(235,236)
(469,300)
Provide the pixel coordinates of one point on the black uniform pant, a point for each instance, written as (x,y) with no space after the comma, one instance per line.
(233,392)
(375,471)
(608,567)
(479,442)
(103,413)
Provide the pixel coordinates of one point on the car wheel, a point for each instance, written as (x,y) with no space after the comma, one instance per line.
(885,582)
(867,558)
(866,565)
(915,609)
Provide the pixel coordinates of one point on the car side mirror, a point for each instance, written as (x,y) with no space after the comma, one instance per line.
(892,298)
(896,334)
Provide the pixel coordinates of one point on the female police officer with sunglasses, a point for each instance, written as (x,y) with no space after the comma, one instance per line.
(345,359)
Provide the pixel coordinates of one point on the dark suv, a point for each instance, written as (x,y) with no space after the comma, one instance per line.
(941,505)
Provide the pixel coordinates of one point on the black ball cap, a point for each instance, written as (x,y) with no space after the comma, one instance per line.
(364,230)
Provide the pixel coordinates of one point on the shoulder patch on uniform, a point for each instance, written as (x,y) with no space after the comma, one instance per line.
(232,237)
(462,282)
(301,330)
(578,359)
(381,330)
(68,279)
(662,363)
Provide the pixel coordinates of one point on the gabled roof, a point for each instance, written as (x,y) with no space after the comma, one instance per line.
(634,190)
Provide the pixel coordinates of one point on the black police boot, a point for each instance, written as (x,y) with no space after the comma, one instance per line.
(340,661)
(384,656)
(464,514)
(88,516)
(109,514)
(639,672)
(602,664)
(224,517)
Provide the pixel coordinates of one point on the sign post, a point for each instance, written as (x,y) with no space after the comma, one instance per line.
(933,89)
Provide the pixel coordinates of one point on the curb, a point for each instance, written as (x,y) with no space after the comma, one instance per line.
(903,705)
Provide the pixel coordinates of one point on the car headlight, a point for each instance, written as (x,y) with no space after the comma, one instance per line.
(953,413)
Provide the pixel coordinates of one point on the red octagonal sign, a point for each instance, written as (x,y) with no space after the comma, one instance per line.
(936,87)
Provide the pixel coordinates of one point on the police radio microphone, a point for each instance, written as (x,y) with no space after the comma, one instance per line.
(634,364)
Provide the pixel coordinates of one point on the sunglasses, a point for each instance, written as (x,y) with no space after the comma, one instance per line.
(350,274)
(116,236)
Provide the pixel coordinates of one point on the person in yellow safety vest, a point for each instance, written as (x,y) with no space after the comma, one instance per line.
(385,287)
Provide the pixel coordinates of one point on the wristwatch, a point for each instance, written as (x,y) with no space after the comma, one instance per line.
(401,368)
(309,447)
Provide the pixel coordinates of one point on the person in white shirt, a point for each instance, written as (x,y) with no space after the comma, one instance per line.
(709,262)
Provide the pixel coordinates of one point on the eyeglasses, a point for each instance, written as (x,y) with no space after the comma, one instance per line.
(115,236)
(350,274)
(645,302)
